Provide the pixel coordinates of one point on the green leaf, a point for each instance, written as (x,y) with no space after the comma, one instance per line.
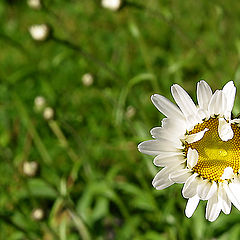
(39,188)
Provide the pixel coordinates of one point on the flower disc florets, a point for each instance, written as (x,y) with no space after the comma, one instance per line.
(198,146)
(214,154)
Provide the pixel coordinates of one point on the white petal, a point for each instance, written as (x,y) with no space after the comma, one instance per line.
(163,183)
(175,127)
(226,204)
(223,199)
(161,180)
(155,147)
(225,131)
(167,133)
(227,174)
(192,158)
(192,120)
(229,90)
(165,159)
(232,190)
(175,142)
(190,187)
(150,147)
(236,120)
(204,94)
(212,190)
(235,189)
(180,176)
(204,189)
(218,103)
(157,132)
(191,206)
(161,176)
(196,136)
(213,208)
(166,107)
(203,113)
(183,100)
(163,155)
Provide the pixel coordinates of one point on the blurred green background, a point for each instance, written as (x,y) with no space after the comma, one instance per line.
(78,174)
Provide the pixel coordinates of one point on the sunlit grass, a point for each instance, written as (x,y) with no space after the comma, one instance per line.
(91,182)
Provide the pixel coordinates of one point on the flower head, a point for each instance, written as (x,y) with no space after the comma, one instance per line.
(113,5)
(35,4)
(48,113)
(38,214)
(87,79)
(30,168)
(39,32)
(198,146)
(39,103)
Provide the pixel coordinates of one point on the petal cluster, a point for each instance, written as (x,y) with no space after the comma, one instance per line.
(178,165)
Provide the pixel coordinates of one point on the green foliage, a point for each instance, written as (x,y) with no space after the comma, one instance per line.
(91,181)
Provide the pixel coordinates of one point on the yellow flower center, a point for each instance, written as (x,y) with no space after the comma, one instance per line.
(214,155)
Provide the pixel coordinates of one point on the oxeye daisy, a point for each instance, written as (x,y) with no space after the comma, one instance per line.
(199,146)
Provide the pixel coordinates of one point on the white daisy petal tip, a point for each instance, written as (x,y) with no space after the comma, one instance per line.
(229,87)
(206,189)
(218,103)
(227,174)
(192,158)
(191,206)
(236,120)
(230,91)
(223,198)
(166,107)
(213,208)
(204,94)
(189,189)
(225,131)
(161,180)
(184,101)
(150,147)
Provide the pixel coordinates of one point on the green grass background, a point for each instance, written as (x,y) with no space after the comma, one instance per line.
(92,183)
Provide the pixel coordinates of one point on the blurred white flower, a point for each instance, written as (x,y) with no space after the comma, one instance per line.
(130,112)
(30,168)
(37,214)
(113,5)
(48,113)
(39,32)
(35,4)
(87,79)
(39,103)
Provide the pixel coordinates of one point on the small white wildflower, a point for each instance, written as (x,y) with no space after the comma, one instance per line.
(30,168)
(39,103)
(113,5)
(87,79)
(39,32)
(37,214)
(48,113)
(35,4)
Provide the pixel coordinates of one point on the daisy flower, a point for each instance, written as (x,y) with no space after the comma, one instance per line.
(198,145)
